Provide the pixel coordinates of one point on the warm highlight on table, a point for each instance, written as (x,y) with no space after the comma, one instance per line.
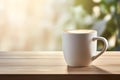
(50,65)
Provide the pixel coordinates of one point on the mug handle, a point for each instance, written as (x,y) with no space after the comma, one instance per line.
(104,48)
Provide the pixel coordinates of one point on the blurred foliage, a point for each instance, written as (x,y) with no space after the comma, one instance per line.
(113,25)
(109,12)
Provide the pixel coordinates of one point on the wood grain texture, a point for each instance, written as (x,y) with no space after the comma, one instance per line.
(53,64)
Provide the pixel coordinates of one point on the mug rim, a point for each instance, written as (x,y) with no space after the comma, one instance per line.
(72,31)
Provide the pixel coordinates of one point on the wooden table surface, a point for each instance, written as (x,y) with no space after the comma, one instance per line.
(50,65)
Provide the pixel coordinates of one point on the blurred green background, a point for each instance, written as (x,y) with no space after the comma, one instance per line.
(101,15)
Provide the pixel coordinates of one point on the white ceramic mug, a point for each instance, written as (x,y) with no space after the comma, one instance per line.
(80,46)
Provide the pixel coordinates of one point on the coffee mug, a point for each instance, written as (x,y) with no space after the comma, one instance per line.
(80,47)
